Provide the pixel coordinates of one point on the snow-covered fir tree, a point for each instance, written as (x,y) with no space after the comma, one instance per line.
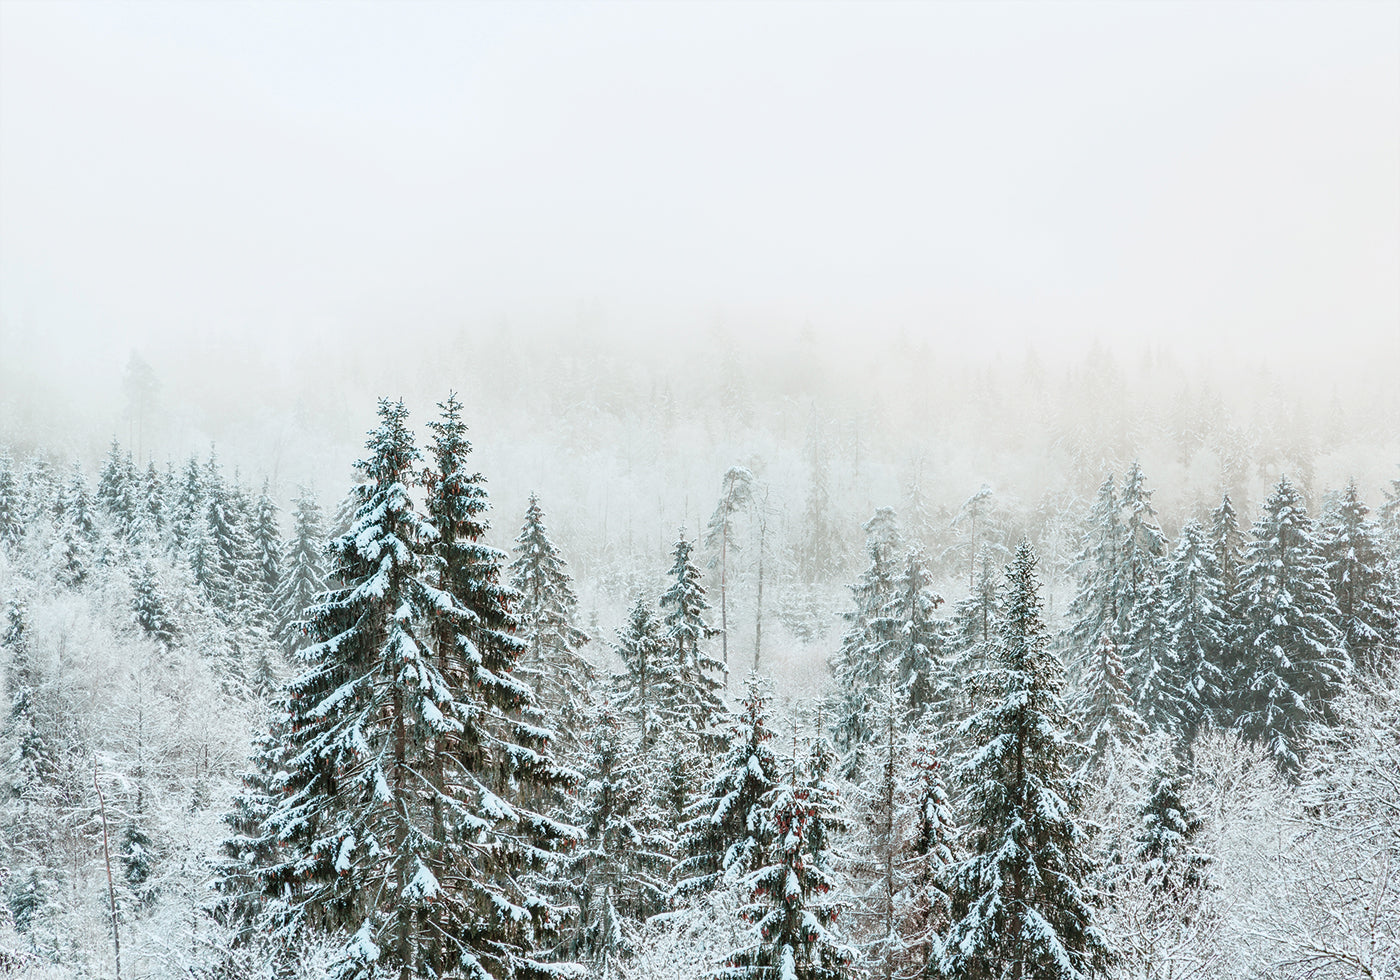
(971,630)
(618,872)
(1366,589)
(790,902)
(548,611)
(1168,828)
(924,901)
(917,648)
(727,834)
(858,666)
(1293,664)
(1199,626)
(265,546)
(700,677)
(11,521)
(1107,723)
(1095,611)
(394,836)
(303,571)
(648,689)
(1020,908)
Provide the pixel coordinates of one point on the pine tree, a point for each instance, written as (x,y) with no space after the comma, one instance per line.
(735,495)
(117,490)
(253,844)
(619,869)
(726,835)
(1294,665)
(265,544)
(1166,838)
(789,902)
(11,521)
(972,630)
(31,756)
(547,611)
(1095,611)
(1160,692)
(1020,909)
(1105,718)
(1138,575)
(859,665)
(686,630)
(187,505)
(924,901)
(148,608)
(393,831)
(1388,520)
(1199,626)
(918,655)
(303,571)
(648,689)
(1368,598)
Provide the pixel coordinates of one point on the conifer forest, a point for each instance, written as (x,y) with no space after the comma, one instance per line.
(400,581)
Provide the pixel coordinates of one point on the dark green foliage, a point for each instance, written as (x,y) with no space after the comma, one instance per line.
(1019,904)
(1294,667)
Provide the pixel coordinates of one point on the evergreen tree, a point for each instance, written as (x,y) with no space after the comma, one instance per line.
(11,520)
(547,611)
(924,901)
(1020,909)
(303,571)
(75,507)
(187,504)
(686,631)
(972,630)
(1199,626)
(1138,574)
(1389,521)
(1160,689)
(1368,597)
(265,543)
(1294,665)
(727,834)
(1095,611)
(859,665)
(917,654)
(148,608)
(1166,838)
(618,871)
(150,521)
(649,688)
(1108,725)
(393,833)
(31,756)
(789,903)
(117,489)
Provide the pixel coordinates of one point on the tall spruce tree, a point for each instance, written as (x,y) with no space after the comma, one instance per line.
(547,611)
(1199,625)
(303,571)
(265,545)
(1020,907)
(727,833)
(790,902)
(11,521)
(393,834)
(619,870)
(858,666)
(648,689)
(1367,593)
(699,676)
(1294,666)
(1107,723)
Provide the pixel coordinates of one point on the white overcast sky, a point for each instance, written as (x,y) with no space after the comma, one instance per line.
(974,173)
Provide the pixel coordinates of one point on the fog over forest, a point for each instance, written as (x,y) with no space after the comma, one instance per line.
(951,357)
